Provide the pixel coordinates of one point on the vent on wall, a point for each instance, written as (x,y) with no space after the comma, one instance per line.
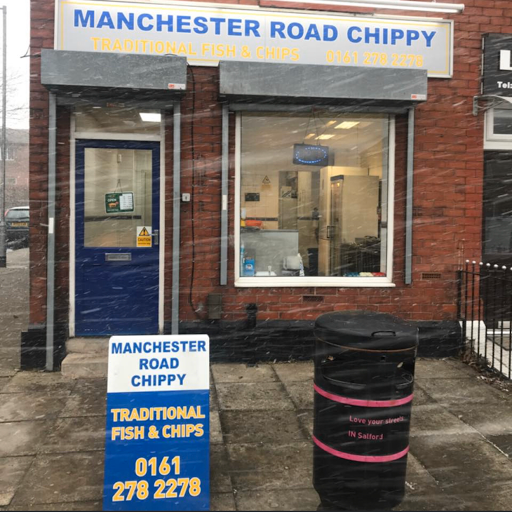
(312,298)
(431,275)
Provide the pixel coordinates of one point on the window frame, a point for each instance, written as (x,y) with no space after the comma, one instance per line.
(493,141)
(317,281)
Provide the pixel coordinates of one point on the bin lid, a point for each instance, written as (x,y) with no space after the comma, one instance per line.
(366,329)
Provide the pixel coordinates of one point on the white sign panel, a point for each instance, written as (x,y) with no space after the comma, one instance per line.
(158,363)
(206,35)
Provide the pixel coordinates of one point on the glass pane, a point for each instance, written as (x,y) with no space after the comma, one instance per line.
(117,120)
(324,219)
(502,121)
(109,223)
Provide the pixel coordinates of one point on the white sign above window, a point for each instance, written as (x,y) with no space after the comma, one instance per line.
(207,34)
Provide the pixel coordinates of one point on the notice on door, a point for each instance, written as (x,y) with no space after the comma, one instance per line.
(157,434)
(144,236)
(117,202)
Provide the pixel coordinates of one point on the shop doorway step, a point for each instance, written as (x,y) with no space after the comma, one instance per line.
(87,358)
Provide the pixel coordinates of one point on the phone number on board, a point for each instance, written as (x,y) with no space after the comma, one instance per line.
(403,60)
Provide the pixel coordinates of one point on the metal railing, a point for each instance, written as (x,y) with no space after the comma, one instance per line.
(484,310)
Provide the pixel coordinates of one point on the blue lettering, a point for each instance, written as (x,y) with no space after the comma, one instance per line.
(330,33)
(428,37)
(201,346)
(143,364)
(181,378)
(277,28)
(128,22)
(396,35)
(412,35)
(217,22)
(140,22)
(136,381)
(160,22)
(201,26)
(183,24)
(105,19)
(351,37)
(128,349)
(147,347)
(252,26)
(117,348)
(146,380)
(82,20)
(368,34)
(234,27)
(167,346)
(136,349)
(300,31)
(175,346)
(312,33)
(157,346)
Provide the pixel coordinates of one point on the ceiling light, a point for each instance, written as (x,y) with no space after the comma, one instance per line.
(346,125)
(150,117)
(403,5)
(330,123)
(309,135)
(325,136)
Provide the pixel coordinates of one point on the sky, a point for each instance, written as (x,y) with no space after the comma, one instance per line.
(18,69)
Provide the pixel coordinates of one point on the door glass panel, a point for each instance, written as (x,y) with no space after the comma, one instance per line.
(109,221)
(320,219)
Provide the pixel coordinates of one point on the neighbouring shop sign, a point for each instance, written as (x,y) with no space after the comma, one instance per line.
(157,433)
(207,34)
(497,65)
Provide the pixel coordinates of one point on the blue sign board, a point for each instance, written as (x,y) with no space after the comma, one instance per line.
(157,435)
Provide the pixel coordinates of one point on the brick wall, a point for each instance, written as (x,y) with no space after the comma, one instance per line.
(447,192)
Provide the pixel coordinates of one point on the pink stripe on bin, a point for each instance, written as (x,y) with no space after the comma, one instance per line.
(360,458)
(363,403)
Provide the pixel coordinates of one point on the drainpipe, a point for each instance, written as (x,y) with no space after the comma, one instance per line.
(50,260)
(175,315)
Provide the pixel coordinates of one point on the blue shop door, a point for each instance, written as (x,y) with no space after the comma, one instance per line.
(117,244)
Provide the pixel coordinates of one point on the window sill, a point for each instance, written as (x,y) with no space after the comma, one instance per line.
(313,282)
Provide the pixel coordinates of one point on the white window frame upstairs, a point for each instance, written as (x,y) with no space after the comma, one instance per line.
(318,281)
(493,141)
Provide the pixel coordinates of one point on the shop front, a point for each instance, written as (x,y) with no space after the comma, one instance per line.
(237,171)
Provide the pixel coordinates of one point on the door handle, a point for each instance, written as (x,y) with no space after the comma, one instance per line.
(156,237)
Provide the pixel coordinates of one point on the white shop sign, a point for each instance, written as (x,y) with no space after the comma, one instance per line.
(206,34)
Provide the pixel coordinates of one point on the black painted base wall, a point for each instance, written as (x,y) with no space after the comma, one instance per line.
(33,347)
(294,340)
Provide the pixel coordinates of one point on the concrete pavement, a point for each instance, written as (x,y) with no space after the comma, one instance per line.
(52,440)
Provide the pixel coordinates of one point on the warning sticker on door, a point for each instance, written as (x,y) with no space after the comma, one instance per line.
(144,236)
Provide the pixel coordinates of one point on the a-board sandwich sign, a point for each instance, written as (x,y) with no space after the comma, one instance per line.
(157,433)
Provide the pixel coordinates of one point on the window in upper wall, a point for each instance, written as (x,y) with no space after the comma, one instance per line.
(314,199)
(498,127)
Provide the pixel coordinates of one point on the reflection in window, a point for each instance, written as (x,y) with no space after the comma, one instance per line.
(311,220)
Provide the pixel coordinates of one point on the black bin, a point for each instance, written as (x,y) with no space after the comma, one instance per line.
(364,377)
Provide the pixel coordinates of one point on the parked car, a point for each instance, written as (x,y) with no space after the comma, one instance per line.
(17,224)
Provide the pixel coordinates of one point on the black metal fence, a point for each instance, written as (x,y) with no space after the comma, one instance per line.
(484,309)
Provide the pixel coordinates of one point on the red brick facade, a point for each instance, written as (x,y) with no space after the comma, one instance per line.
(448,183)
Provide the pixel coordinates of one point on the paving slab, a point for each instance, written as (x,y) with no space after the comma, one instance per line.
(71,506)
(434,419)
(89,398)
(215,428)
(62,478)
(421,397)
(261,427)
(220,480)
(463,391)
(253,396)
(3,382)
(295,372)
(243,373)
(458,462)
(222,501)
(75,435)
(12,471)
(503,442)
(306,419)
(489,419)
(489,497)
(31,406)
(22,437)
(438,369)
(255,467)
(286,499)
(301,393)
(39,382)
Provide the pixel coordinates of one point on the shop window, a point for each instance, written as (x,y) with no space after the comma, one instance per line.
(314,199)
